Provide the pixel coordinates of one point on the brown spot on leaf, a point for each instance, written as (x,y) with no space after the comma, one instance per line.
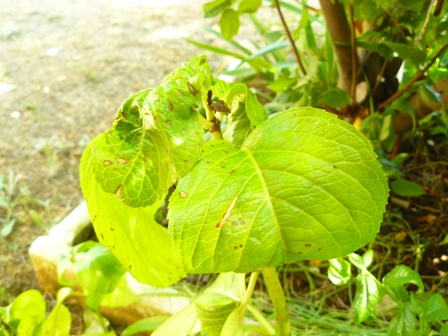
(184,129)
(319,249)
(169,122)
(145,159)
(180,92)
(218,225)
(227,152)
(170,106)
(234,223)
(112,229)
(335,167)
(113,247)
(183,194)
(232,171)
(186,161)
(117,192)
(130,267)
(202,61)
(107,163)
(223,166)
(300,253)
(102,236)
(168,151)
(122,161)
(242,222)
(307,245)
(192,89)
(235,247)
(241,245)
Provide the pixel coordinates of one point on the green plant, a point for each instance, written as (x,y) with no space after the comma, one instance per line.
(11,196)
(417,313)
(251,192)
(26,315)
(345,56)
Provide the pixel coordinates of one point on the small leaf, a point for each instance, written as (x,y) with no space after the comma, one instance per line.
(367,258)
(183,323)
(444,330)
(406,188)
(229,24)
(339,272)
(401,275)
(280,84)
(249,6)
(357,261)
(217,302)
(435,309)
(28,310)
(335,98)
(7,228)
(98,272)
(403,324)
(59,321)
(387,127)
(429,94)
(214,8)
(367,297)
(146,324)
(234,323)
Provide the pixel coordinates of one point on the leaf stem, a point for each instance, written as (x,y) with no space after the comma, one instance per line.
(278,300)
(215,126)
(289,36)
(249,290)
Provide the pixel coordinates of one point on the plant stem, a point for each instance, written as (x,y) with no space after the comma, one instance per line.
(277,295)
(413,80)
(289,36)
(353,45)
(215,126)
(250,288)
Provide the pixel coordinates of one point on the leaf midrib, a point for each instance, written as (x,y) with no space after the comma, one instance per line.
(268,198)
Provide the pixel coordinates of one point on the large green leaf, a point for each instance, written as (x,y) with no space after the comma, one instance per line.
(136,239)
(155,139)
(304,185)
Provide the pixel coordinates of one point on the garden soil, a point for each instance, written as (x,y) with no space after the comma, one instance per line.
(65,68)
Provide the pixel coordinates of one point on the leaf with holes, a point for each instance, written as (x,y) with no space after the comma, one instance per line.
(156,138)
(304,185)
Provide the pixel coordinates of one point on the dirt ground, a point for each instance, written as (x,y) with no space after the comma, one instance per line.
(65,68)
